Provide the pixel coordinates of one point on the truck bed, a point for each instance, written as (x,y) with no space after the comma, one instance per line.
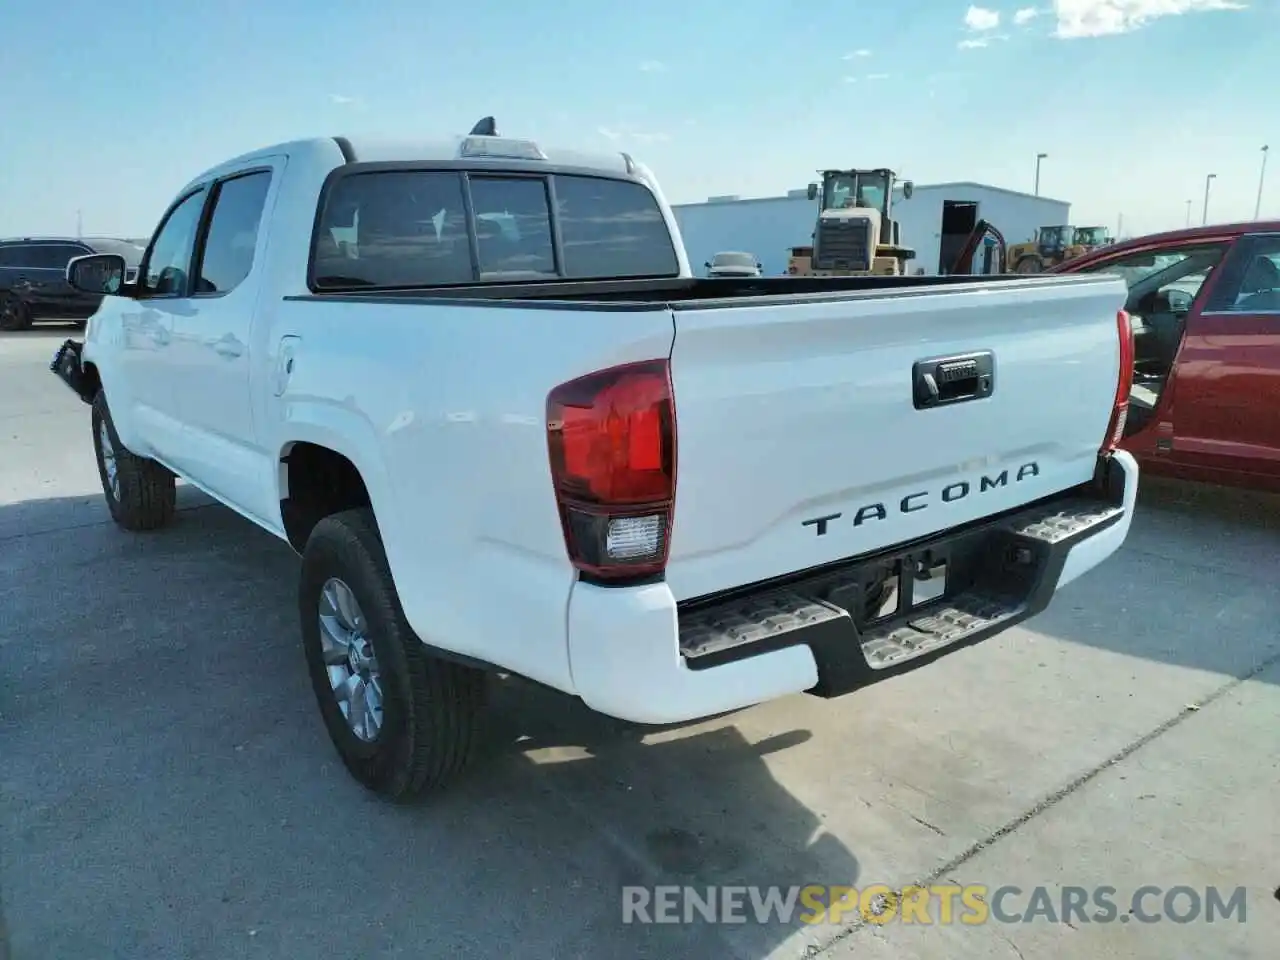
(677,293)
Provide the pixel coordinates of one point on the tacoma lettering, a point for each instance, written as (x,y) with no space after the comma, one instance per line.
(914,502)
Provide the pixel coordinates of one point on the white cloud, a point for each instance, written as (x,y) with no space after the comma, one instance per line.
(653,66)
(609,133)
(853,55)
(980,18)
(1100,18)
(850,79)
(1025,15)
(342,99)
(977,43)
(877,76)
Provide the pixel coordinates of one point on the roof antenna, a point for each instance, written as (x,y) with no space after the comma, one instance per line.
(487,127)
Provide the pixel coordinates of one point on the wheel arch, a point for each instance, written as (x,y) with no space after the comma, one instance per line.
(323,471)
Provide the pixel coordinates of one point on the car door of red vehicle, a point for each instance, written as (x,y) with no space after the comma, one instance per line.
(1227,397)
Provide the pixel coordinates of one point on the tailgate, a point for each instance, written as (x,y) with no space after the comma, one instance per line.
(799,437)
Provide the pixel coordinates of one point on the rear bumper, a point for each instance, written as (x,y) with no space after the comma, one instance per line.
(638,655)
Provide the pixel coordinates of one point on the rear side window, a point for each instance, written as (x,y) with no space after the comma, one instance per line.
(13,255)
(56,256)
(232,235)
(612,228)
(40,256)
(1250,281)
(406,228)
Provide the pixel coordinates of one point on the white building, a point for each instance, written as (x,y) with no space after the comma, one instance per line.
(934,223)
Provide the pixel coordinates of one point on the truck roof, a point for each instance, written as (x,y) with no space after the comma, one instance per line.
(409,150)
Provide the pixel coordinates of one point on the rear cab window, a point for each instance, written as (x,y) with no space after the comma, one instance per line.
(432,228)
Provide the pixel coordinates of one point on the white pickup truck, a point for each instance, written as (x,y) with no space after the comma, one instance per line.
(477,388)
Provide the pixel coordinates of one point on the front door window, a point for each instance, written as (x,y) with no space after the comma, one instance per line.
(169,259)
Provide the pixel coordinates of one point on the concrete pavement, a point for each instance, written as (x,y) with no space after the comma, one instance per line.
(167,789)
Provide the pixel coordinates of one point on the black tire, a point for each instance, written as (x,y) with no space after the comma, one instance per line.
(14,314)
(1028,265)
(431,707)
(146,495)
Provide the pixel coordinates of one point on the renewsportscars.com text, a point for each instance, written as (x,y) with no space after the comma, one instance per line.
(941,904)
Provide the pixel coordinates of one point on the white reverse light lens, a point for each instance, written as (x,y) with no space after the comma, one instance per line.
(631,538)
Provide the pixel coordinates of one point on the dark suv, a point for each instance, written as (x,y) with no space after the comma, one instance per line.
(33,277)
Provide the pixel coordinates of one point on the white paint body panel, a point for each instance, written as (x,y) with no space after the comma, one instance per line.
(792,412)
(784,411)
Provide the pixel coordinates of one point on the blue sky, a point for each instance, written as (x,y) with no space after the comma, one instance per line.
(108,109)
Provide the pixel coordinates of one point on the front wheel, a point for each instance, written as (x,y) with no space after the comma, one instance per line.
(1028,265)
(140,493)
(402,720)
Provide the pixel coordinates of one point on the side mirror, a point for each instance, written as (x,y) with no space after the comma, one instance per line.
(908,188)
(759,266)
(813,191)
(97,273)
(707,264)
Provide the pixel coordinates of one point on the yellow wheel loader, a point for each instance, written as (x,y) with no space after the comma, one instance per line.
(855,234)
(1089,239)
(1052,246)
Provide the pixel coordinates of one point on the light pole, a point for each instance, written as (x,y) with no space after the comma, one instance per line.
(1039,157)
(1262,175)
(1205,217)
(1188,213)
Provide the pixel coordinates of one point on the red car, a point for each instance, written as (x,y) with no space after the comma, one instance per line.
(1205,308)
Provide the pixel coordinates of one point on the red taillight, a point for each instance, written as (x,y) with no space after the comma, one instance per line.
(1124,385)
(611,436)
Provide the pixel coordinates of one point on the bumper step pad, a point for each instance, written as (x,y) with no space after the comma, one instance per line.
(961,617)
(1013,566)
(751,620)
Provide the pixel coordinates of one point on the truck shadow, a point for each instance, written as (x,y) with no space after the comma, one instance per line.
(168,788)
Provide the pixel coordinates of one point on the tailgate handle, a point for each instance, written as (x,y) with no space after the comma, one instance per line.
(942,380)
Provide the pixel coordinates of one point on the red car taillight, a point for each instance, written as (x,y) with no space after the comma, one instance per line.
(611,436)
(1124,385)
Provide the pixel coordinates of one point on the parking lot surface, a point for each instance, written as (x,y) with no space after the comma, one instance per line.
(168,791)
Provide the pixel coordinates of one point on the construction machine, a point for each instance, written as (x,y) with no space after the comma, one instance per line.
(1051,246)
(1091,238)
(855,233)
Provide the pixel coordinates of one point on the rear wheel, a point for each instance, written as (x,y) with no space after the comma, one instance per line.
(14,314)
(140,493)
(402,720)
(1027,265)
